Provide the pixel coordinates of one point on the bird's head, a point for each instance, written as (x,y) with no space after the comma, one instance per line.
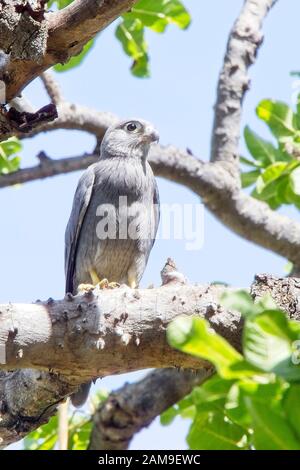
(130,138)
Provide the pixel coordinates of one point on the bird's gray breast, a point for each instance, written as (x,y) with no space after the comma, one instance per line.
(117,229)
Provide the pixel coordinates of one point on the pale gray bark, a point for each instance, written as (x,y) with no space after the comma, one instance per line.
(69,341)
(76,336)
(244,41)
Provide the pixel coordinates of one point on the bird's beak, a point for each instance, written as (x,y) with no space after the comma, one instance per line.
(151,135)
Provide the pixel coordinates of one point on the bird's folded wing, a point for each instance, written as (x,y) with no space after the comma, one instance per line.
(156,203)
(80,204)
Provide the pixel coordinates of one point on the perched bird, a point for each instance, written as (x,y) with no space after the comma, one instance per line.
(114,217)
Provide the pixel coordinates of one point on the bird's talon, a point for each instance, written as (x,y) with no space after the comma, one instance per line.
(85,288)
(113,285)
(103,284)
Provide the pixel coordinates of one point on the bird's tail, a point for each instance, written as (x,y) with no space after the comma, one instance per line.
(79,398)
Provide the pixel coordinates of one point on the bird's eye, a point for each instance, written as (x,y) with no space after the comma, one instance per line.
(131,126)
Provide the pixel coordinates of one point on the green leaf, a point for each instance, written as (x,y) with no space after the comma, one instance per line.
(268,344)
(157,15)
(154,15)
(291,196)
(259,407)
(131,34)
(11,146)
(252,163)
(193,336)
(184,408)
(271,431)
(267,184)
(279,117)
(248,178)
(235,407)
(211,431)
(59,3)
(9,162)
(267,192)
(77,60)
(288,268)
(295,181)
(260,149)
(273,172)
(282,190)
(291,406)
(80,433)
(168,416)
(211,396)
(43,438)
(241,301)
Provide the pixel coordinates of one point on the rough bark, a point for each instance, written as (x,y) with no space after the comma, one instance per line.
(23,30)
(76,336)
(124,413)
(61,35)
(135,406)
(244,41)
(64,342)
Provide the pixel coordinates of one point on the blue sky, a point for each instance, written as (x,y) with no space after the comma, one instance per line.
(178,99)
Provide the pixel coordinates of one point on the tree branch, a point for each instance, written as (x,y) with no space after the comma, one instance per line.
(74,339)
(63,35)
(76,117)
(28,398)
(52,88)
(136,405)
(75,336)
(46,168)
(244,41)
(250,218)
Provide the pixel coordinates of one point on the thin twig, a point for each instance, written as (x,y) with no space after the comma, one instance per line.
(52,88)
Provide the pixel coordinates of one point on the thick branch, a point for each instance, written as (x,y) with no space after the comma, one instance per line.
(136,405)
(250,218)
(77,336)
(68,31)
(28,398)
(243,43)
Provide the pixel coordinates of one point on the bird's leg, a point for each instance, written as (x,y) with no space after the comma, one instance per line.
(132,285)
(103,283)
(94,277)
(132,282)
(85,288)
(95,282)
(113,285)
